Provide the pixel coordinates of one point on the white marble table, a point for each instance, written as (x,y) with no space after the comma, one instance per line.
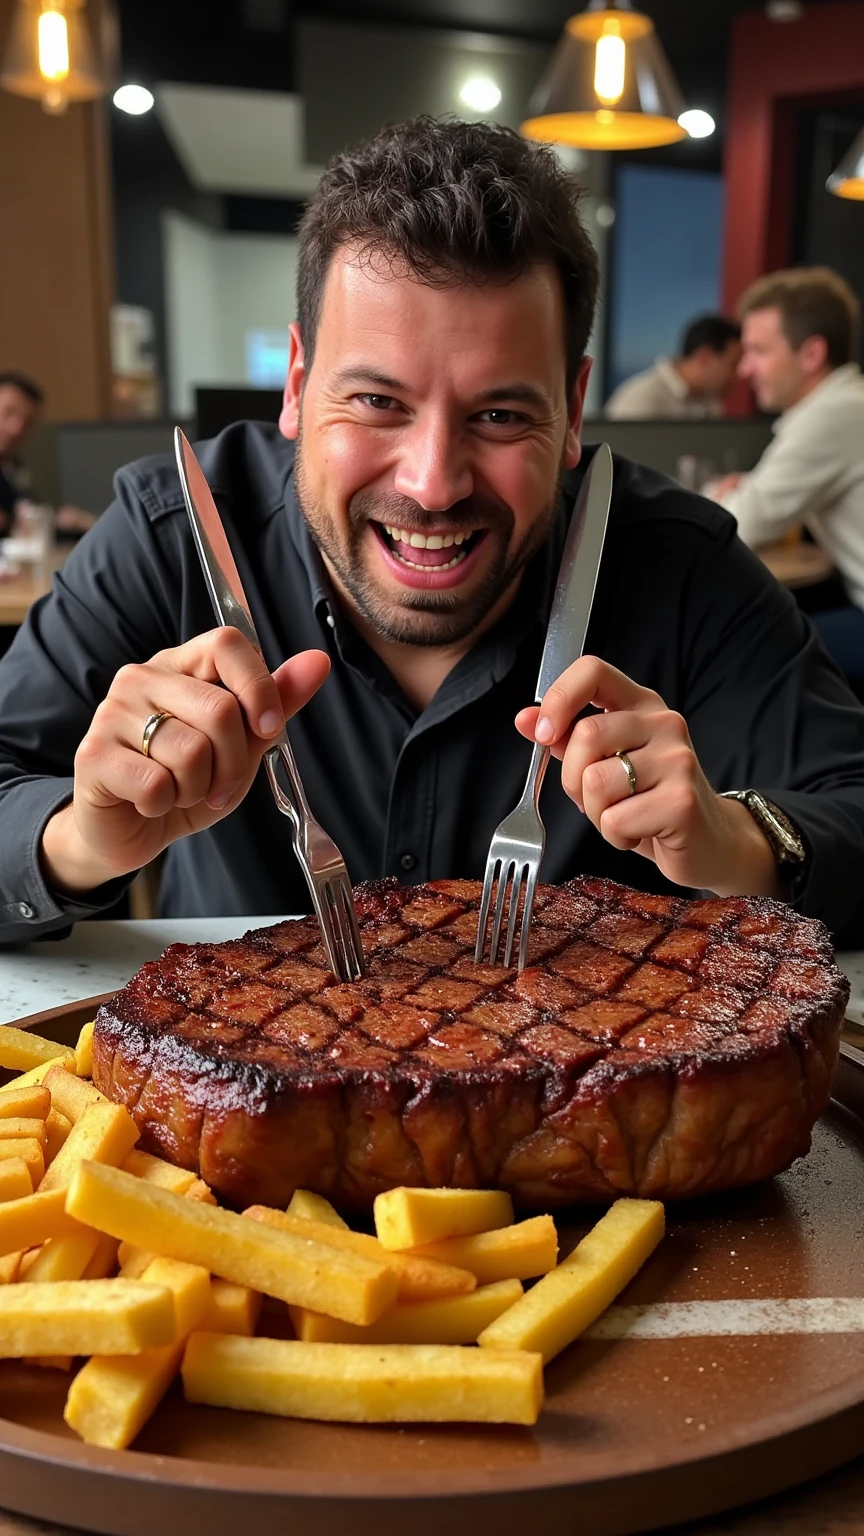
(97,957)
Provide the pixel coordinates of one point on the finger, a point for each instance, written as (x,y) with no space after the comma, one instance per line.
(607,783)
(189,756)
(225,656)
(207,729)
(588,681)
(108,775)
(596,739)
(664,814)
(299,678)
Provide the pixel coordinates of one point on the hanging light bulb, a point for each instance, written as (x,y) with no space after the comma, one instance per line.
(50,56)
(848,179)
(608,86)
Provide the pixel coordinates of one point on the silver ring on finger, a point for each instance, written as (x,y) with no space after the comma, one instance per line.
(151,726)
(629,770)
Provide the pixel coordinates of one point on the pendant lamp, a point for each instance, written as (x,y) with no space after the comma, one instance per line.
(848,179)
(50,56)
(609,84)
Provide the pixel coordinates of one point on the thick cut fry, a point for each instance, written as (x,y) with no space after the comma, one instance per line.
(15,1180)
(71,1094)
(198,1190)
(34,1128)
(456,1320)
(64,1258)
(106,1133)
(103,1264)
(314,1208)
(27,1103)
(28,1148)
(134,1262)
(419,1279)
(37,1075)
(408,1218)
(28,1259)
(234,1309)
(393,1383)
(79,1317)
(84,1051)
(561,1305)
(189,1284)
(10,1265)
(154,1171)
(20,1050)
(57,1128)
(520,1252)
(24,1223)
(231,1246)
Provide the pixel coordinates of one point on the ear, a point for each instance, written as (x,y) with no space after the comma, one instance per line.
(289,416)
(576,409)
(813,355)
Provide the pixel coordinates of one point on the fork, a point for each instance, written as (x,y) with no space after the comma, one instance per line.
(515,855)
(323,866)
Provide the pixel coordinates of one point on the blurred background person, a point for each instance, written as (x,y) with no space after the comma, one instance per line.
(800,336)
(20,408)
(691,385)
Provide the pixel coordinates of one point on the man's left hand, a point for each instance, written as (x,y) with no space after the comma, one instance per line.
(674,816)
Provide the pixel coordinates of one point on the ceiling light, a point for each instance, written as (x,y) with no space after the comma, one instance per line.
(49,55)
(848,179)
(696,123)
(784,10)
(134,99)
(608,85)
(480,94)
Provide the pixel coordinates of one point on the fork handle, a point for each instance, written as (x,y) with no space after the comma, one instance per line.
(294,805)
(536,774)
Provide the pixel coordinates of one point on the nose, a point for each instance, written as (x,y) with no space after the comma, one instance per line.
(433,468)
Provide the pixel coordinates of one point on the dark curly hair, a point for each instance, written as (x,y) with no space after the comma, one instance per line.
(450,202)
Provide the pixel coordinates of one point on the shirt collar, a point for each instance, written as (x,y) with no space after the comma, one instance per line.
(837,379)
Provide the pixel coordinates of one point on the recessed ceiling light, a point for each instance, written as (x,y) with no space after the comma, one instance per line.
(696,123)
(134,99)
(480,93)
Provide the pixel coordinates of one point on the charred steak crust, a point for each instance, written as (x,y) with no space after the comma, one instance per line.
(654,1046)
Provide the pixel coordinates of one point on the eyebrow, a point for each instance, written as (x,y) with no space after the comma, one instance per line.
(528,394)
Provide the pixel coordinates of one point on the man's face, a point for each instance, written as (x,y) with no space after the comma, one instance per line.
(717,370)
(777,372)
(18,415)
(433,428)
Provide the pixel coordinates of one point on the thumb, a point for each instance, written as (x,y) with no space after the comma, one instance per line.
(299,678)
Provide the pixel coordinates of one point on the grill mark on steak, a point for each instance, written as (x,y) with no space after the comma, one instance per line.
(654,1046)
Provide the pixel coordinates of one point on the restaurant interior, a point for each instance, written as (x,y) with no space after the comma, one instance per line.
(157,158)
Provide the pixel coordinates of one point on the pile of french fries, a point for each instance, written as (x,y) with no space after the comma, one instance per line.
(110,1253)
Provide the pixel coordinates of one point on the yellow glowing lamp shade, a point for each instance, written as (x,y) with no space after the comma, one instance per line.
(608,85)
(50,56)
(848,179)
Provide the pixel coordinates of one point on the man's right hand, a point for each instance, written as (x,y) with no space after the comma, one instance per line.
(225,711)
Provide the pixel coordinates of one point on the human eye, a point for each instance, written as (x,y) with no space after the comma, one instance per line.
(377,402)
(501,417)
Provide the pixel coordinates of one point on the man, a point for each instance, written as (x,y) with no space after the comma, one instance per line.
(20,408)
(688,387)
(402,530)
(800,337)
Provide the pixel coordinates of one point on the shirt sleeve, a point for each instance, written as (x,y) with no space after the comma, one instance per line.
(110,604)
(635,399)
(796,476)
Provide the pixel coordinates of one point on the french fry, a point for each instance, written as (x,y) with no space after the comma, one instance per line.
(314,1208)
(521,1252)
(34,1219)
(455,1320)
(19,1128)
(57,1128)
(419,1279)
(63,1258)
(27,1260)
(231,1246)
(566,1301)
(198,1190)
(29,1103)
(20,1050)
(393,1383)
(408,1218)
(233,1309)
(28,1148)
(103,1264)
(15,1180)
(155,1171)
(37,1075)
(84,1051)
(79,1317)
(71,1094)
(10,1265)
(189,1284)
(134,1262)
(105,1133)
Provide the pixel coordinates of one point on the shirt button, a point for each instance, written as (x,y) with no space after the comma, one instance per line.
(408,861)
(25,909)
(331,621)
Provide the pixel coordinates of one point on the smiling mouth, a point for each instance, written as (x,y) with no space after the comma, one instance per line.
(430,551)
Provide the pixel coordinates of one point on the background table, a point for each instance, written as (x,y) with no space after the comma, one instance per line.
(797,565)
(19,593)
(99,956)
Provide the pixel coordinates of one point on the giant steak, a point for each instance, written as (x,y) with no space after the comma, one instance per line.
(653,1046)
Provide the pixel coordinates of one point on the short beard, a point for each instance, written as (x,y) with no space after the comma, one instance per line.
(418,617)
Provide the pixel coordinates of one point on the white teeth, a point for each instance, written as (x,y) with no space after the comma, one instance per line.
(421,541)
(418,541)
(435,541)
(448,567)
(459,538)
(448,541)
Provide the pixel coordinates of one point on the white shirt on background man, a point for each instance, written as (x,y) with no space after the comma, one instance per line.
(660,392)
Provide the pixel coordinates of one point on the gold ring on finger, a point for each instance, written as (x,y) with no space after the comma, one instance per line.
(151,726)
(629,770)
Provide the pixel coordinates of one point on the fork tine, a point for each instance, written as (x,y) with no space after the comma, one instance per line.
(503,882)
(349,932)
(488,883)
(518,871)
(324,914)
(530,889)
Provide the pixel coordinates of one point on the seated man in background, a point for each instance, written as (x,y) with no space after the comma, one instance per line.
(20,407)
(800,332)
(690,386)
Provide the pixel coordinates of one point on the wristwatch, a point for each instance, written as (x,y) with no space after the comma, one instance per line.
(782,835)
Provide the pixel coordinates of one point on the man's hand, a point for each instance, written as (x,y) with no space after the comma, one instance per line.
(675,818)
(225,710)
(715,490)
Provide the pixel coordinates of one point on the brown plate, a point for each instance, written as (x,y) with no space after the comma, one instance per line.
(636,1433)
